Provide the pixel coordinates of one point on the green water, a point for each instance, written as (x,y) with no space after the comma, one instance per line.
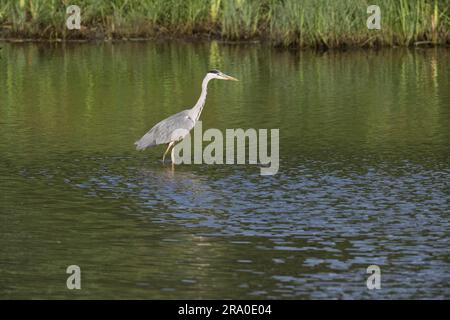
(363,179)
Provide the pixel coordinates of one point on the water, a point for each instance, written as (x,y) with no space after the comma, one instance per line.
(364,173)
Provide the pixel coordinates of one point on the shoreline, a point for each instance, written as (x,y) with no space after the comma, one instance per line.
(206,39)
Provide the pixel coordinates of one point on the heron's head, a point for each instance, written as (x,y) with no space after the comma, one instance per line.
(216,74)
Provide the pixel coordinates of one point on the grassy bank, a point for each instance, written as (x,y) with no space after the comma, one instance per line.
(299,23)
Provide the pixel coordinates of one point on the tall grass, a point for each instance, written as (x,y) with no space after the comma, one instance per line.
(313,23)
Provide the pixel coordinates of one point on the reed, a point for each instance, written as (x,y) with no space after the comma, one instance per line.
(295,23)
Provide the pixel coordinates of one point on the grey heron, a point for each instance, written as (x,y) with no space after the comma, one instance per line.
(176,127)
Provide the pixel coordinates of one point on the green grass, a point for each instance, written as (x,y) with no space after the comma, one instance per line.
(295,23)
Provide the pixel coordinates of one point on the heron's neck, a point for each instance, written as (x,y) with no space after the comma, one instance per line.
(197,109)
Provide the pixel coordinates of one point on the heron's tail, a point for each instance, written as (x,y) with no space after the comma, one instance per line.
(148,140)
(139,145)
(144,143)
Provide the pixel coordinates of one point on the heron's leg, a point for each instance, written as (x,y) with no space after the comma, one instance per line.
(172,157)
(167,150)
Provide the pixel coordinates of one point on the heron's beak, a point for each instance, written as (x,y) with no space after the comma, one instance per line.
(227,77)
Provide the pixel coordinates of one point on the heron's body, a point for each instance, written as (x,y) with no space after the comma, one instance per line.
(173,128)
(176,127)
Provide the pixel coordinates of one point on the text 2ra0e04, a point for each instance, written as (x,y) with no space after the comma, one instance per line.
(246,309)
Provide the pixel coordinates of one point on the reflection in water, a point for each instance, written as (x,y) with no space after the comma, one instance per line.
(363,177)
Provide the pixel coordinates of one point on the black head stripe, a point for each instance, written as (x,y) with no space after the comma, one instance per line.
(214,71)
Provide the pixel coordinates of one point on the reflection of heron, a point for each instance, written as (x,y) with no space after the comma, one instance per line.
(176,127)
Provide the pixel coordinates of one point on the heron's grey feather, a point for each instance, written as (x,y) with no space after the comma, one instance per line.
(173,128)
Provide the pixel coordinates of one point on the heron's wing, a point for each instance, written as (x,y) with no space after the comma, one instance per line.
(173,128)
